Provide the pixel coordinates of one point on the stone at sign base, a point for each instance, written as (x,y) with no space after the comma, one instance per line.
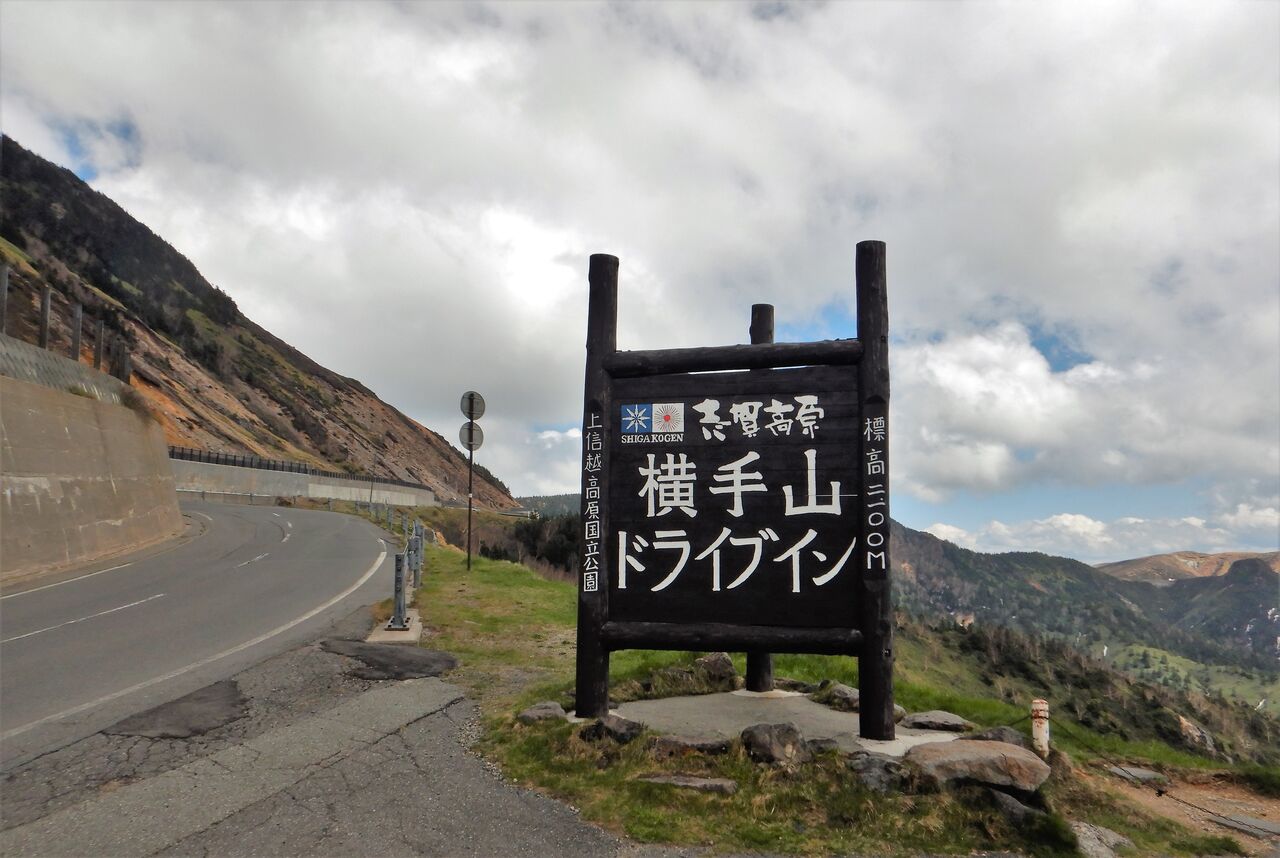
(413,634)
(723,786)
(996,764)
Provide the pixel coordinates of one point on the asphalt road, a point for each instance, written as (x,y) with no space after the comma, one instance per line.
(248,583)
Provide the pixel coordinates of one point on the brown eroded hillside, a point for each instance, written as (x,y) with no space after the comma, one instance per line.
(1162,568)
(216,380)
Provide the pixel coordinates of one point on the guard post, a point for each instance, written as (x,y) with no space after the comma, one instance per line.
(399,622)
(731,509)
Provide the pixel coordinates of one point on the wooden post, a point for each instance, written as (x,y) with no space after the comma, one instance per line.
(46,301)
(99,338)
(1040,727)
(77,321)
(4,297)
(760,664)
(593,605)
(875,665)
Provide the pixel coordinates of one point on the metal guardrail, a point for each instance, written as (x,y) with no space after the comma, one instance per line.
(213,457)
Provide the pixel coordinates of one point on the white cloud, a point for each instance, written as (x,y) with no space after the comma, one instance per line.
(1093,541)
(408,193)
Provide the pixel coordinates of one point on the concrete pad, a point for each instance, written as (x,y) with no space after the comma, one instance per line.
(775,694)
(726,715)
(413,634)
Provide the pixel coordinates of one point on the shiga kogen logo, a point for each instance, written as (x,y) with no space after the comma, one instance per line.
(657,417)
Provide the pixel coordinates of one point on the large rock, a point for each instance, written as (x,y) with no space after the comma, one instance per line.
(668,747)
(1007,735)
(621,730)
(1195,735)
(995,764)
(1013,810)
(721,786)
(878,772)
(1094,841)
(547,710)
(837,696)
(775,744)
(718,669)
(782,683)
(936,719)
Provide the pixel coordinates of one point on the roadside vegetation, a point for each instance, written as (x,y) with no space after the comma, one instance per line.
(513,632)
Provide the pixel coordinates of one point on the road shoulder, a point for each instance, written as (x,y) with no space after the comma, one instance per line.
(303,757)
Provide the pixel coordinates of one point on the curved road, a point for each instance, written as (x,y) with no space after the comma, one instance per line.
(79,654)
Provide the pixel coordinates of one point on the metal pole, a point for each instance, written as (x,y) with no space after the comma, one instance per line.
(760,664)
(398,622)
(471,469)
(77,321)
(46,301)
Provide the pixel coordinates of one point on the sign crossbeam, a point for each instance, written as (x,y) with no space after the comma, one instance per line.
(737,497)
(720,636)
(633,364)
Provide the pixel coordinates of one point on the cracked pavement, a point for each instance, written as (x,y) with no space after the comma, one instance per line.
(298,755)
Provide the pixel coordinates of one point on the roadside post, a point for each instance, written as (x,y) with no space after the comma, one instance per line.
(737,497)
(472,437)
(398,621)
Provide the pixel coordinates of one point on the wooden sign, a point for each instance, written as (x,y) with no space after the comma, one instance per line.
(737,497)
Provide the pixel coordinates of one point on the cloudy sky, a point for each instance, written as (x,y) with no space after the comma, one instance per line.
(1081,204)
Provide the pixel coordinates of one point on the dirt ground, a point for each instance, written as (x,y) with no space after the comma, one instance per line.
(1214,795)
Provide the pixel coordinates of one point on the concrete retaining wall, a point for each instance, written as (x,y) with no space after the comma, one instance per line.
(233,479)
(79,480)
(35,365)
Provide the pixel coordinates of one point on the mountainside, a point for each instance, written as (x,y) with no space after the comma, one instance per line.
(216,380)
(1163,568)
(1241,607)
(1203,619)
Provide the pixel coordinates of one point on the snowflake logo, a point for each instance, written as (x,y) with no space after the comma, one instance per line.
(635,418)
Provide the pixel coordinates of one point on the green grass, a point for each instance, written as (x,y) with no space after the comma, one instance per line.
(513,632)
(1167,668)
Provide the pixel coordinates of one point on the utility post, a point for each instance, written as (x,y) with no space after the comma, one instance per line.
(472,437)
(99,336)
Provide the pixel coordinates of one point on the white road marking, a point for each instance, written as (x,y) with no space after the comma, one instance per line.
(288,524)
(82,619)
(276,514)
(286,537)
(205,517)
(83,707)
(254,560)
(60,583)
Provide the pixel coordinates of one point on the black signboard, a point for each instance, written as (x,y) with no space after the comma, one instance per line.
(737,497)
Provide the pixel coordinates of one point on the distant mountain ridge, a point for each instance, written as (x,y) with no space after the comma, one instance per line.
(1229,619)
(215,379)
(1179,565)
